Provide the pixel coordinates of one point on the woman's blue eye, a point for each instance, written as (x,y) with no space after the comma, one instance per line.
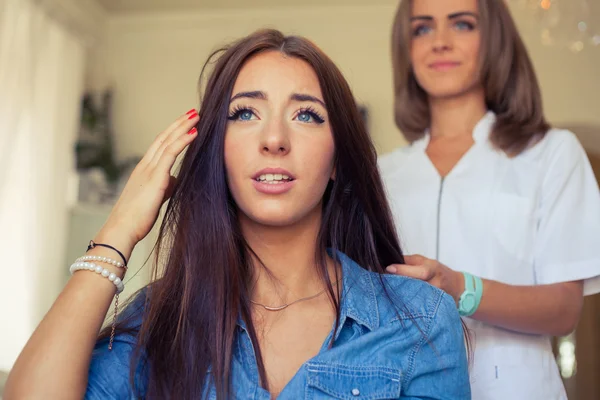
(464,26)
(309,116)
(246,115)
(421,30)
(242,114)
(304,117)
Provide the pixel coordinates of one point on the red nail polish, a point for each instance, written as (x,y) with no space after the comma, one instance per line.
(192,131)
(191,111)
(194,115)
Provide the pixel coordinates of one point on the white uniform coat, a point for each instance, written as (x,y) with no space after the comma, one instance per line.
(529,220)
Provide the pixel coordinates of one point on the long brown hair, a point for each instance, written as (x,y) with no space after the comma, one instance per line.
(191,312)
(511,88)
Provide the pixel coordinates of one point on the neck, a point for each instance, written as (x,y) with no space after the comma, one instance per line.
(456,116)
(287,254)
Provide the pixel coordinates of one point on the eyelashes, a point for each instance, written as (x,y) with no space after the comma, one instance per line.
(306,114)
(420,30)
(310,111)
(461,25)
(237,112)
(464,25)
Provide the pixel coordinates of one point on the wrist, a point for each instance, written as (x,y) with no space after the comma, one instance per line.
(459,284)
(470,298)
(116,239)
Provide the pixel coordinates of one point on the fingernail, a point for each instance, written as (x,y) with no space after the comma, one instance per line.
(391,269)
(191,111)
(194,115)
(192,131)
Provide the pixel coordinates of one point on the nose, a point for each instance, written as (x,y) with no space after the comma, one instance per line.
(275,138)
(442,40)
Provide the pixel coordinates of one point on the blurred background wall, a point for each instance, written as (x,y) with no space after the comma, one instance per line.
(153,51)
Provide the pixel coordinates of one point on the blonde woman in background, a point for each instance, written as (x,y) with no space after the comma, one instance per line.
(500,210)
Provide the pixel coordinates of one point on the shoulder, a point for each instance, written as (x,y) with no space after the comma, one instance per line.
(130,319)
(427,317)
(393,298)
(558,146)
(390,304)
(128,325)
(415,320)
(397,169)
(429,334)
(110,368)
(404,298)
(556,138)
(391,162)
(558,158)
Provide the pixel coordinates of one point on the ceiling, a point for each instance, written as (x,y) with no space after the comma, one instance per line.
(125,6)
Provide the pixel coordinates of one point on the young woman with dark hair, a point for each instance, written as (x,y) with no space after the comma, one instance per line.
(275,243)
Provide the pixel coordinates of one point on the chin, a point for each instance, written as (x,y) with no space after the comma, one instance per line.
(445,94)
(278,214)
(269,213)
(449,91)
(449,87)
(272,219)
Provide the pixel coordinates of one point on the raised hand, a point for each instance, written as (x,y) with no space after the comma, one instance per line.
(148,187)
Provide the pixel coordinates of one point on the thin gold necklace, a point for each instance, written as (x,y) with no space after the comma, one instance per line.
(281,307)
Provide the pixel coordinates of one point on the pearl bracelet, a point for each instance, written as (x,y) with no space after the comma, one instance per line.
(111,276)
(102,259)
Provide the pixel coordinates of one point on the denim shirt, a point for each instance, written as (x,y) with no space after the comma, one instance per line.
(411,347)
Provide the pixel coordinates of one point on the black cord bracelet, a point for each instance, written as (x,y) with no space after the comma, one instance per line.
(108,246)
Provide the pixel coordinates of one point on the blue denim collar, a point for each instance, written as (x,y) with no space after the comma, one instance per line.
(358,302)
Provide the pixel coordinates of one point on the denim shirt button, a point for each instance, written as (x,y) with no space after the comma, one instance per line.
(355,392)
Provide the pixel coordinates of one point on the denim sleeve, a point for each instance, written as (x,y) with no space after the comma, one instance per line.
(439,367)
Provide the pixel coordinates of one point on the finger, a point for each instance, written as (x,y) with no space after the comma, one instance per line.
(170,153)
(414,271)
(178,131)
(184,127)
(161,137)
(415,259)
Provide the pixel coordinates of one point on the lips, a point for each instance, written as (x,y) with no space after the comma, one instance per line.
(273,175)
(443,65)
(273,181)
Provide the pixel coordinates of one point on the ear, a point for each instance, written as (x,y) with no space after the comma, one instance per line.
(332,177)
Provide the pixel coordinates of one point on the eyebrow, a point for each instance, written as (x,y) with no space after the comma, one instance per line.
(259,95)
(450,16)
(306,97)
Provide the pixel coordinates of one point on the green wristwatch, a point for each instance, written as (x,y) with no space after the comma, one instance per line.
(471,297)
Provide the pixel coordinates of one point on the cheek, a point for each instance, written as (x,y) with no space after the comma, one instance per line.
(418,47)
(323,169)
(417,56)
(418,59)
(319,157)
(471,49)
(325,165)
(315,162)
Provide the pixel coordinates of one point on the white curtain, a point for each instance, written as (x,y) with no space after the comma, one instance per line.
(41,83)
